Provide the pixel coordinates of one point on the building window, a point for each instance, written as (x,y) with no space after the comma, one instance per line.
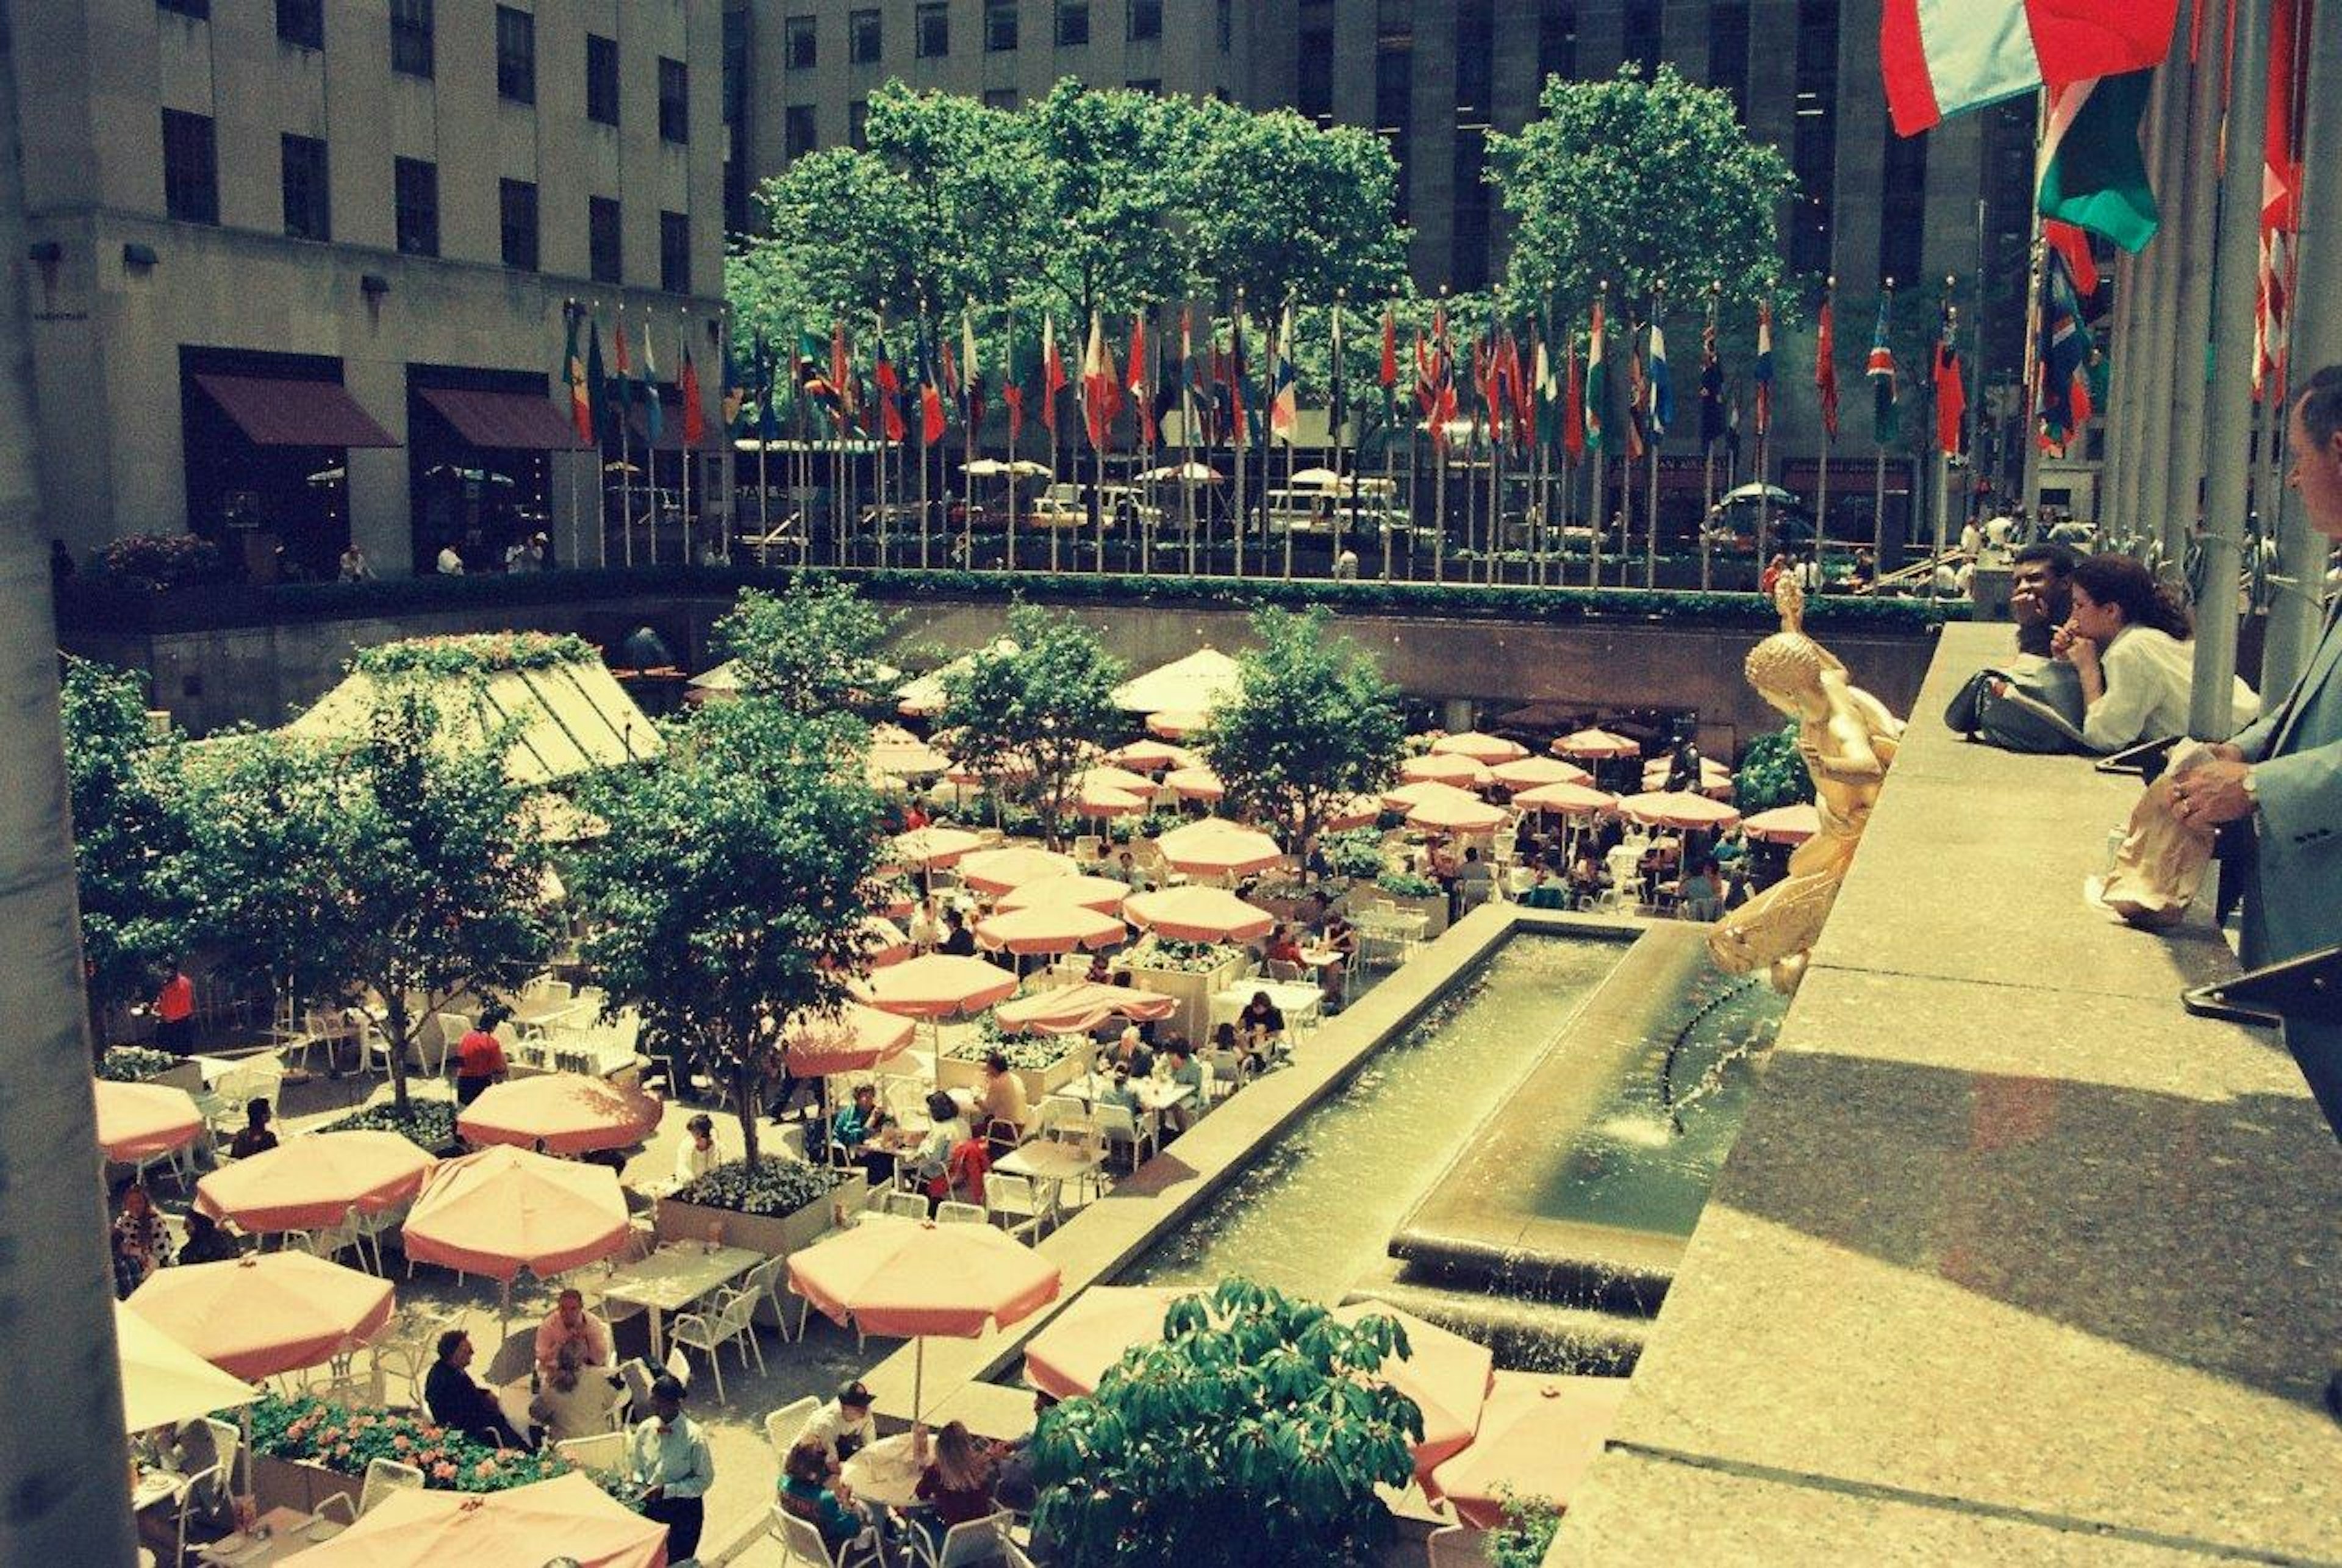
(999,25)
(1146,21)
(1001,98)
(1476,56)
(738,139)
(1313,82)
(415,185)
(1813,144)
(1902,205)
(515,55)
(601,79)
(1728,53)
(798,136)
(798,50)
(201,10)
(410,37)
(1073,24)
(865,37)
(301,22)
(675,252)
(308,202)
(931,30)
(516,211)
(1644,32)
(1395,96)
(857,124)
(1556,40)
(1226,24)
(604,248)
(674,100)
(190,168)
(1467,263)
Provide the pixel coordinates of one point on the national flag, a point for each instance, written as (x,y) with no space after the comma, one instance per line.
(932,424)
(1244,410)
(1390,355)
(887,384)
(695,413)
(1098,393)
(1711,384)
(1663,391)
(1886,424)
(1191,390)
(971,372)
(573,372)
(1944,57)
(2075,245)
(1053,373)
(1951,390)
(622,372)
(2065,347)
(735,391)
(766,370)
(1283,384)
(653,399)
(1826,364)
(1596,401)
(1134,378)
(2092,172)
(605,413)
(1435,378)
(841,374)
(1573,404)
(1012,384)
(2281,174)
(1763,373)
(1519,392)
(1638,391)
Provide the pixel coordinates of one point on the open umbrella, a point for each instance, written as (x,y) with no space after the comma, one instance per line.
(884,942)
(1528,772)
(561,1113)
(1059,929)
(1000,870)
(1151,756)
(504,1210)
(1198,915)
(1446,1375)
(926,848)
(1466,815)
(163,1382)
(1479,746)
(1109,775)
(1598,743)
(1216,847)
(936,985)
(1538,1435)
(264,1313)
(1079,1008)
(1069,1357)
(1171,724)
(1676,808)
(1198,684)
(858,1039)
(1713,774)
(307,1184)
(904,754)
(922,696)
(1188,473)
(1101,892)
(1404,798)
(1784,824)
(568,1519)
(1443,767)
(136,1121)
(1196,783)
(1103,800)
(915,1278)
(994,468)
(1351,811)
(1566,800)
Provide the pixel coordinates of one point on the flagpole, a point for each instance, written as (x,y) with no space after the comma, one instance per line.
(1878,474)
(1008,382)
(2192,321)
(1821,486)
(1239,519)
(1600,518)
(967,411)
(1943,458)
(1651,504)
(1390,429)
(1150,377)
(1099,433)
(683,436)
(1495,531)
(1049,403)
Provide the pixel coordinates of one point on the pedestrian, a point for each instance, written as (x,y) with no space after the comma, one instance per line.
(669,1457)
(174,1013)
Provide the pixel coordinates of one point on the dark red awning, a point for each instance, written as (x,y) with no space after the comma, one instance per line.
(295,413)
(505,421)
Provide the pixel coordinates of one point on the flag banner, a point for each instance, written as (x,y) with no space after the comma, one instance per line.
(1141,401)
(971,373)
(1337,395)
(2093,175)
(1711,383)
(932,421)
(1886,422)
(1283,384)
(1951,391)
(597,388)
(735,392)
(2065,348)
(841,376)
(1639,391)
(887,384)
(1826,364)
(1390,359)
(1596,402)
(1663,391)
(1053,373)
(1764,374)
(1944,57)
(573,371)
(2281,171)
(2075,245)
(694,414)
(767,371)
(1573,406)
(653,400)
(1515,379)
(1097,385)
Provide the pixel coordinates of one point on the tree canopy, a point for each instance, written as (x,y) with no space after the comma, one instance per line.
(1030,721)
(813,647)
(121,780)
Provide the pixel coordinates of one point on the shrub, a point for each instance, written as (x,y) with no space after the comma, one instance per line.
(134,1063)
(346,1441)
(1772,773)
(1522,1539)
(163,561)
(1183,957)
(429,1125)
(1025,1052)
(474,653)
(1407,884)
(1358,854)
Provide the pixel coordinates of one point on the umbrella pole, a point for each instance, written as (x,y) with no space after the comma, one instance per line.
(918,1376)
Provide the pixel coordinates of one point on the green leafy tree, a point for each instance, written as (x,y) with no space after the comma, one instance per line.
(1250,1437)
(730,890)
(1030,721)
(1644,184)
(1117,174)
(1772,773)
(129,832)
(1312,722)
(1285,210)
(813,647)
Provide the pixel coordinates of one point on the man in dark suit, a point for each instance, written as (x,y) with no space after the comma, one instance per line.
(457,1402)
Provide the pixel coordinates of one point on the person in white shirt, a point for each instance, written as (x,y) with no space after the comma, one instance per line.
(698,1156)
(927,930)
(669,1457)
(842,1425)
(2128,639)
(451,565)
(572,1326)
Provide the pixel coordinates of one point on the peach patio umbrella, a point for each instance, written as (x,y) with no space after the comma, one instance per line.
(1151,756)
(1480,746)
(913,1278)
(1446,1375)
(938,984)
(309,1183)
(858,1039)
(1102,893)
(1676,808)
(265,1313)
(1438,768)
(1713,774)
(562,1112)
(1198,684)
(902,754)
(1466,815)
(1567,799)
(1070,1357)
(1353,811)
(1058,929)
(1528,772)
(566,1519)
(1077,1008)
(1784,824)
(1103,800)
(1196,783)
(1106,775)
(504,1210)
(1538,1435)
(1001,870)
(1406,797)
(1176,723)
(927,848)
(1216,847)
(1198,915)
(136,1121)
(1598,743)
(884,942)
(163,1382)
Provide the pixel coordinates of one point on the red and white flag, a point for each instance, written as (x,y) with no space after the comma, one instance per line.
(1944,57)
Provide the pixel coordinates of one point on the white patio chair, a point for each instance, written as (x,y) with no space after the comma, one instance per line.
(902,1205)
(974,1541)
(1230,1071)
(635,1373)
(1119,1125)
(384,1477)
(1015,1204)
(206,1490)
(728,1322)
(333,1241)
(603,1451)
(950,1213)
(803,1547)
(782,1426)
(1457,1547)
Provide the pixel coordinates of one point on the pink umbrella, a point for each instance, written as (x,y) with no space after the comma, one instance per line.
(1446,1375)
(1528,772)
(1059,929)
(1151,756)
(999,870)
(265,1313)
(904,754)
(1466,815)
(1100,800)
(308,1184)
(1479,747)
(136,1121)
(1407,797)
(915,1278)
(1784,824)
(858,1039)
(1356,811)
(1713,774)
(1215,847)
(1090,891)
(1440,768)
(1197,914)
(884,942)
(1174,723)
(1070,1357)
(1538,1435)
(1080,1008)
(1106,775)
(1596,743)
(1567,799)
(566,1519)
(504,1210)
(1196,783)
(560,1112)
(930,848)
(1675,808)
(938,984)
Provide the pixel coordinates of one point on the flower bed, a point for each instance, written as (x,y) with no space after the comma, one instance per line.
(475,653)
(783,1205)
(1044,1062)
(310,1431)
(1187,973)
(429,1125)
(142,1065)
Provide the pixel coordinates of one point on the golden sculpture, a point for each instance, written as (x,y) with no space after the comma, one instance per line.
(1847,739)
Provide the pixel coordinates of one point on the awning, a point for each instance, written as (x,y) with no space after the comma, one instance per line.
(295,413)
(505,421)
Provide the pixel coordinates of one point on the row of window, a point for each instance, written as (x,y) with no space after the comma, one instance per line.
(191,194)
(866,35)
(413,48)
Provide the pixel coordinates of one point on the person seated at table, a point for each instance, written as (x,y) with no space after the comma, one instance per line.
(807,1490)
(141,1244)
(569,1325)
(696,1154)
(479,1058)
(1130,1053)
(571,1401)
(455,1401)
(948,1129)
(1118,1092)
(255,1137)
(1001,1108)
(1225,1043)
(1283,947)
(1187,1072)
(927,927)
(842,1427)
(1125,870)
(856,1129)
(1585,871)
(1699,895)
(207,1242)
(1261,1024)
(1013,1487)
(1100,973)
(958,1479)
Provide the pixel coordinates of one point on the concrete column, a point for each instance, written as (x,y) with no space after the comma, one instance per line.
(2191,320)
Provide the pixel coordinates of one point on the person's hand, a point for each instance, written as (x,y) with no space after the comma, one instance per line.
(2062,640)
(653,1493)
(2212,793)
(2227,751)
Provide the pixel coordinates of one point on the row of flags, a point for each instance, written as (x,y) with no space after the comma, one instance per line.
(602,395)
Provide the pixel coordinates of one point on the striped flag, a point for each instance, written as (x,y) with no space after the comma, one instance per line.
(1826,364)
(1711,385)
(1951,388)
(1053,373)
(2281,174)
(573,362)
(654,405)
(1574,409)
(1943,57)
(1596,402)
(1886,424)
(2093,175)
(1764,368)
(1663,391)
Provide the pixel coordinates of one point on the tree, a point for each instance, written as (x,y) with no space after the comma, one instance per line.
(813,647)
(128,833)
(1253,1436)
(1115,177)
(1285,210)
(730,891)
(1312,722)
(1037,714)
(1643,185)
(1772,773)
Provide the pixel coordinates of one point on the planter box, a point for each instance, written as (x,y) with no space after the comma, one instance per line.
(1192,993)
(298,1484)
(186,1075)
(1040,1082)
(682,1221)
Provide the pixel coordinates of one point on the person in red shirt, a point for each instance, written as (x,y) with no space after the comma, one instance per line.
(479,1060)
(174,1013)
